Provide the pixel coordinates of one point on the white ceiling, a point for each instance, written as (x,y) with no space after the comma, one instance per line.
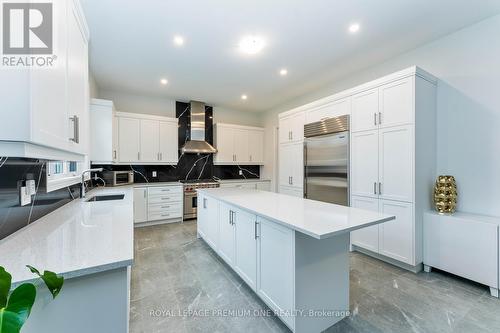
(131,43)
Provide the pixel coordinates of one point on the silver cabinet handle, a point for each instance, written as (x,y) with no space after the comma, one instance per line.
(375,188)
(138,156)
(165,206)
(165,198)
(204,202)
(161,156)
(375,119)
(291,180)
(380,118)
(291,135)
(76,129)
(114,154)
(250,157)
(380,188)
(255,230)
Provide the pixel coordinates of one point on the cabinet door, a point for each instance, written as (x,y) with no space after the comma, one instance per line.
(297,127)
(285,164)
(397,103)
(128,139)
(333,109)
(169,152)
(396,163)
(297,165)
(396,236)
(365,110)
(276,266)
(256,146)
(116,132)
(140,204)
(77,84)
(150,141)
(50,119)
(364,163)
(367,238)
(246,247)
(208,220)
(241,152)
(285,129)
(226,233)
(224,142)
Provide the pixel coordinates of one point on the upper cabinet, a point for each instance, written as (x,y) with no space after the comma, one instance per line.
(125,138)
(291,127)
(334,109)
(389,105)
(49,109)
(238,145)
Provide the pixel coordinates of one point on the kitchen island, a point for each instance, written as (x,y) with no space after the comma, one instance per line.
(292,252)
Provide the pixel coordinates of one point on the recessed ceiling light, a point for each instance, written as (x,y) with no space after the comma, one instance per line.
(244,97)
(178,40)
(164,81)
(353,28)
(283,72)
(251,44)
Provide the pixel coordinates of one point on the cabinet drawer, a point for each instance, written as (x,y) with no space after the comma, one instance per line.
(165,207)
(162,191)
(165,198)
(164,216)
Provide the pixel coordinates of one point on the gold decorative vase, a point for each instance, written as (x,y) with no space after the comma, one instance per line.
(445,195)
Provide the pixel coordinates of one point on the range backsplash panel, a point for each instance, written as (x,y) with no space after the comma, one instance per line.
(190,166)
(13,216)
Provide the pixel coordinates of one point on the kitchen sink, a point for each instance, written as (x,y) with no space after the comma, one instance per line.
(107,197)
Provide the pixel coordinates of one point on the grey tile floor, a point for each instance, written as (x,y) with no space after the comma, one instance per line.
(174,273)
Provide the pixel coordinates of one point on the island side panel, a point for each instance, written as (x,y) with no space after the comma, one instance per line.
(91,303)
(321,280)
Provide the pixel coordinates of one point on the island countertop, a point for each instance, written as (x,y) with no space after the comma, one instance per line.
(77,239)
(313,218)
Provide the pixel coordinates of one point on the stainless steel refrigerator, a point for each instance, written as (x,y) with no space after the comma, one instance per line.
(326,160)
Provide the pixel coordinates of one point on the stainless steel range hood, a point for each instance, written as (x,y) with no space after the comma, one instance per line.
(197,144)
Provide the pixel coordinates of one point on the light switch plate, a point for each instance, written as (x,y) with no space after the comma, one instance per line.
(30,187)
(24,197)
(154,173)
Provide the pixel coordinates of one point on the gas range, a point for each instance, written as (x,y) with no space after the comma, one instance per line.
(191,185)
(190,195)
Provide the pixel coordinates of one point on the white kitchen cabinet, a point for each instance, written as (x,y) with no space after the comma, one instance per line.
(45,112)
(129,136)
(208,220)
(169,151)
(245,263)
(149,140)
(364,163)
(238,145)
(226,246)
(396,236)
(102,132)
(365,109)
(256,146)
(396,103)
(334,109)
(140,204)
(368,237)
(291,169)
(291,127)
(395,163)
(276,266)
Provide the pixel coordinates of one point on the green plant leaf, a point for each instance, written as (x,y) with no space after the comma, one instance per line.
(18,308)
(52,281)
(5,283)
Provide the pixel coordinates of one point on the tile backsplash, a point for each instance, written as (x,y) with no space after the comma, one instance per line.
(13,216)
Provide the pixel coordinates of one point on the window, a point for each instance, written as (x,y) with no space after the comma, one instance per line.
(62,174)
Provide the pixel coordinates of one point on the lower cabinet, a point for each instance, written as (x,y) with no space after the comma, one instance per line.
(245,226)
(226,234)
(140,204)
(276,267)
(208,220)
(393,239)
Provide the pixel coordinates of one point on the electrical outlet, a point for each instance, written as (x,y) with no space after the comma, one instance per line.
(240,172)
(24,197)
(30,187)
(154,173)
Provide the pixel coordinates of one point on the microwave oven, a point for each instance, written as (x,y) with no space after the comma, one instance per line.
(118,178)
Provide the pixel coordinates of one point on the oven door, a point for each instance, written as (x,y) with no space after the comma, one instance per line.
(190,205)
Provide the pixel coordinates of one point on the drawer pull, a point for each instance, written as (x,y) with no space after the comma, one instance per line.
(164,198)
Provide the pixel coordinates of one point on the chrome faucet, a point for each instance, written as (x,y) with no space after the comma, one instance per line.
(82,192)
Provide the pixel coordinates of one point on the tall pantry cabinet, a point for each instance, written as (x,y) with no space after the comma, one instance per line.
(393,153)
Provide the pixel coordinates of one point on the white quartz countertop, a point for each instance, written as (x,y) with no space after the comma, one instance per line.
(77,239)
(155,184)
(316,219)
(249,180)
